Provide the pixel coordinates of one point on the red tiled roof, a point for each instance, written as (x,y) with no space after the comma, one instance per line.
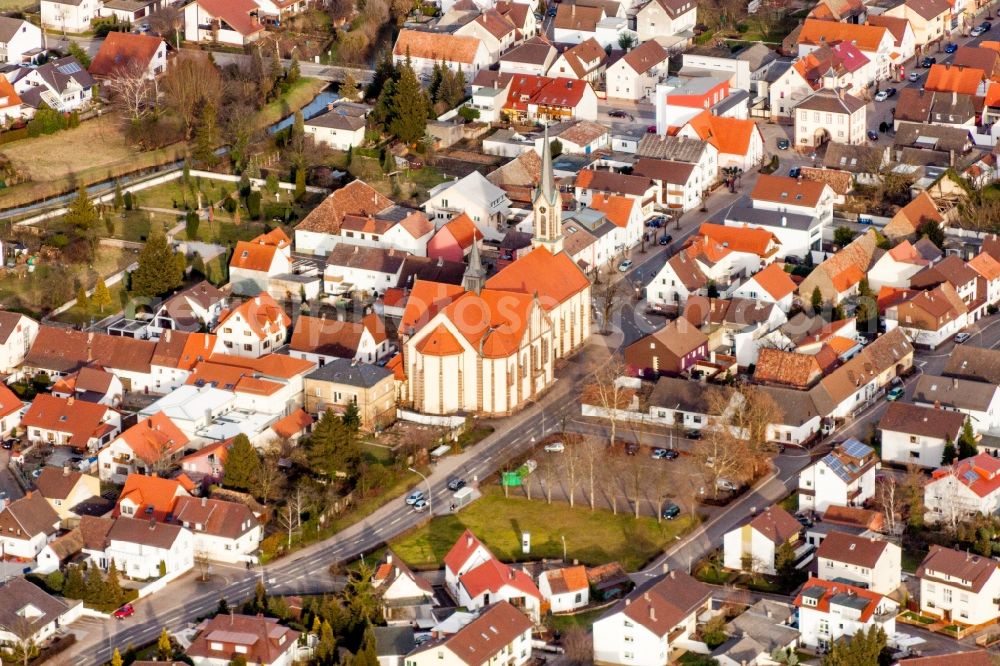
(81,420)
(154,438)
(492,576)
(980,473)
(554,278)
(259,312)
(730,135)
(294,424)
(831,589)
(151,492)
(237,13)
(462,551)
(775,281)
(120,49)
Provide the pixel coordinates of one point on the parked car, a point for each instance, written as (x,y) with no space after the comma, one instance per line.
(883,95)
(795,172)
(552,11)
(671,454)
(914,76)
(555,447)
(895,394)
(986,26)
(975,32)
(125,611)
(804,519)
(414,497)
(784,144)
(631,448)
(625,265)
(666,239)
(651,129)
(671,511)
(421,505)
(951,47)
(654,222)
(456,484)
(617,114)
(726,484)
(872,135)
(693,434)
(792,260)
(962,337)
(659,454)
(9,443)
(927,62)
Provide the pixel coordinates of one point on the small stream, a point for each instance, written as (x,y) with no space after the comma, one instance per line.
(310,110)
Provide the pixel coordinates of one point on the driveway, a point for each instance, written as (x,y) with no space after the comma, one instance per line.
(9,486)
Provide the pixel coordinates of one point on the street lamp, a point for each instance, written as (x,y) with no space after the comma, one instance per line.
(430,506)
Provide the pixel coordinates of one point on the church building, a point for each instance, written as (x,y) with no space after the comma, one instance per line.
(490,346)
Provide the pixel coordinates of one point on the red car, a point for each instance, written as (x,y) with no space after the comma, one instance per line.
(125,611)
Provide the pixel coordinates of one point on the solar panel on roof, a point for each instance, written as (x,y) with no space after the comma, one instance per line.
(856,449)
(69,68)
(971,476)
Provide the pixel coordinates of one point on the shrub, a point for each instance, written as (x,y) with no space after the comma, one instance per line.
(253,205)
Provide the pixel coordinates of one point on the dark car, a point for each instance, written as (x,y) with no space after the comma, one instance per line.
(456,484)
(783,144)
(9,443)
(928,62)
(693,434)
(655,223)
(794,172)
(872,135)
(552,11)
(631,448)
(951,47)
(986,26)
(665,239)
(671,511)
(792,260)
(617,114)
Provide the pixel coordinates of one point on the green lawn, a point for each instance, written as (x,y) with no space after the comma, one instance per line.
(791,503)
(911,559)
(592,537)
(84,315)
(582,620)
(300,94)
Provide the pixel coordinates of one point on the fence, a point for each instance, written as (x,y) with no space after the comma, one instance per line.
(114,279)
(430,419)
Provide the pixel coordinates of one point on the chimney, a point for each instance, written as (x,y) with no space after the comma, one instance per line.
(652,614)
(66,470)
(256,300)
(166,335)
(784,221)
(152,523)
(204,501)
(70,400)
(468,541)
(666,568)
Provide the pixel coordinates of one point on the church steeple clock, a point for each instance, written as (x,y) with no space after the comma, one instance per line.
(547,206)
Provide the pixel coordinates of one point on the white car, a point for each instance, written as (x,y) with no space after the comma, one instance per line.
(555,447)
(625,265)
(975,32)
(414,497)
(725,484)
(420,505)
(881,96)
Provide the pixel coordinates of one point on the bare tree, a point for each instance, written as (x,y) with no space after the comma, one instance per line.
(203,564)
(613,467)
(548,471)
(24,648)
(191,82)
(132,91)
(270,478)
(578,647)
(591,451)
(889,500)
(166,21)
(608,393)
(635,477)
(721,453)
(573,467)
(661,484)
(754,413)
(607,291)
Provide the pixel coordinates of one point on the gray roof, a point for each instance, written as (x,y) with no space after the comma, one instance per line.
(57,73)
(734,99)
(968,362)
(954,393)
(776,69)
(932,137)
(770,218)
(345,371)
(534,51)
(856,159)
(741,649)
(757,55)
(682,394)
(393,641)
(18,593)
(829,101)
(9,27)
(765,622)
(797,407)
(678,148)
(336,120)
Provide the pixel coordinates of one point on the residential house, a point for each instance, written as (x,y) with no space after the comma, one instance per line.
(90,384)
(407,599)
(908,221)
(735,326)
(987,278)
(476,578)
(931,20)
(581,136)
(554,99)
(634,76)
(959,587)
(427,50)
(29,612)
(978,401)
(254,328)
(359,269)
(20,41)
(679,184)
(128,53)
(322,340)
(565,589)
(263,388)
(905,40)
(150,446)
(661,19)
(454,240)
(625,213)
(86,426)
(830,611)
(233,22)
(671,350)
(535,56)
(223,531)
(207,462)
(938,107)
(189,311)
(787,368)
(795,210)
(176,355)
(341,127)
(255,261)
(827,116)
(59,551)
(69,15)
(875,42)
(341,382)
(501,633)
(498,32)
(872,564)
(591,182)
(58,352)
(739,142)
(26,525)
(913,435)
(839,277)
(142,548)
(754,546)
(319,231)
(151,497)
(17,334)
(258,639)
(11,409)
(586,61)
(843,477)
(953,271)
(863,162)
(647,626)
(756,633)
(575,23)
(482,201)
(62,85)
(956,79)
(975,363)
(702,154)
(392,644)
(900,263)
(835,68)
(929,318)
(770,285)
(684,403)
(64,489)
(962,490)
(931,145)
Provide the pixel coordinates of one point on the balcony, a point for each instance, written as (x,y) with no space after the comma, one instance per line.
(122,460)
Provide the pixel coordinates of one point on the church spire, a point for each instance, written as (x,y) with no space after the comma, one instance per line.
(475,276)
(547,205)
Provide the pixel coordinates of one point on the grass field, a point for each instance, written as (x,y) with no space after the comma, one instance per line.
(593,537)
(83,315)
(300,94)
